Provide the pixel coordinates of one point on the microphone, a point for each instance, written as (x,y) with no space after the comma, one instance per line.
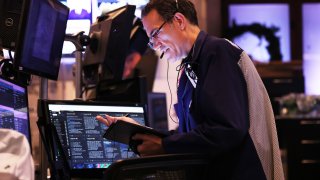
(161,56)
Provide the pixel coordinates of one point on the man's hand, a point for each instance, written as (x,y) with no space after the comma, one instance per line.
(108,120)
(130,63)
(151,145)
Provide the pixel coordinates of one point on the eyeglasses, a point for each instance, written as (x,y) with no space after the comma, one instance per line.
(154,34)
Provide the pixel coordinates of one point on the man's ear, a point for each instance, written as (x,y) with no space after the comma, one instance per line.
(181,20)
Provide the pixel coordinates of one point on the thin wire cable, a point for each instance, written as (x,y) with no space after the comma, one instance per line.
(170,94)
(178,69)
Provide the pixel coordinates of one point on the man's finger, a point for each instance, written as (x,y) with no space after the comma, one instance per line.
(103,120)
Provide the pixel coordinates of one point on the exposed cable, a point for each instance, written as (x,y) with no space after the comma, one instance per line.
(170,94)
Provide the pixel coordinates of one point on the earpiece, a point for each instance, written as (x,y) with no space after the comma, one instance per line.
(161,56)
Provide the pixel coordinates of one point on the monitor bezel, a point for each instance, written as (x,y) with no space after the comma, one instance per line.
(19,51)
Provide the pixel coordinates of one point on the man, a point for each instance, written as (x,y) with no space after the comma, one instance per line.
(223,108)
(137,47)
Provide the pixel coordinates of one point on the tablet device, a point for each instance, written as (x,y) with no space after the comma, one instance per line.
(122,131)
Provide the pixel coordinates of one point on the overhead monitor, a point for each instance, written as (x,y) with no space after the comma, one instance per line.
(14,107)
(38,38)
(262,30)
(110,36)
(311,47)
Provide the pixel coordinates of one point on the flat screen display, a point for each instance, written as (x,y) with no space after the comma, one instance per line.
(262,30)
(109,42)
(40,44)
(311,47)
(14,107)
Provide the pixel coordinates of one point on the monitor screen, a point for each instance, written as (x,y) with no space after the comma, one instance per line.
(14,107)
(157,111)
(109,43)
(262,30)
(40,42)
(81,134)
(311,47)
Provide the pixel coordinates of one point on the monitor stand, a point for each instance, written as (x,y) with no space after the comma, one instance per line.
(59,166)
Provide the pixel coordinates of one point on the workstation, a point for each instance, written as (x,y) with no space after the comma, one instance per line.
(71,63)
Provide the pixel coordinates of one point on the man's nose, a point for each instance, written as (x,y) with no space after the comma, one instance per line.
(156,43)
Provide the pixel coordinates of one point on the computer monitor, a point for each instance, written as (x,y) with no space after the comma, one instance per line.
(80,134)
(14,107)
(311,47)
(157,111)
(38,40)
(261,29)
(110,36)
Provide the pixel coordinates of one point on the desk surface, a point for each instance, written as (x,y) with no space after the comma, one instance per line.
(299,117)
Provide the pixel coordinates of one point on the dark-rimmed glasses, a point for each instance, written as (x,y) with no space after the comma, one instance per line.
(154,34)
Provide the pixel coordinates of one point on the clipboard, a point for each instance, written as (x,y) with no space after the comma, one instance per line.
(122,131)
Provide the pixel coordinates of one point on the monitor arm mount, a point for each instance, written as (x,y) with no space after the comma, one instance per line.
(79,40)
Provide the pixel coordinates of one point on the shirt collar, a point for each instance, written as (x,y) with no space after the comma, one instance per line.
(198,45)
(195,49)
